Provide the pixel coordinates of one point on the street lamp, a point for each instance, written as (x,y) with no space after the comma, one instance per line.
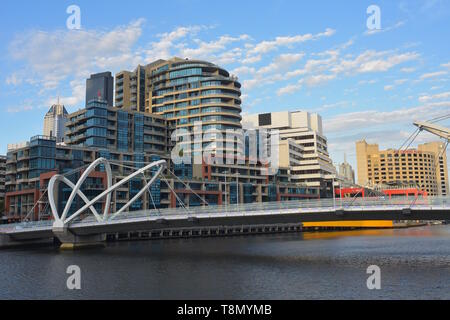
(237,187)
(226,202)
(332,190)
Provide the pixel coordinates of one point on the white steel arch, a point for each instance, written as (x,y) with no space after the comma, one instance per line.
(63,220)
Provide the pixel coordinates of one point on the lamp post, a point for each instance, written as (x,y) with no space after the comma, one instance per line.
(237,187)
(334,195)
(226,205)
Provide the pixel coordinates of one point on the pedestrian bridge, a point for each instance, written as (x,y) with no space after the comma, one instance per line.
(80,228)
(88,230)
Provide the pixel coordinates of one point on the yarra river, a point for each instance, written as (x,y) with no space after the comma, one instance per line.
(414,264)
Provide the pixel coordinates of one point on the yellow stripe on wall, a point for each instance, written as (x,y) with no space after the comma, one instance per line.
(355,224)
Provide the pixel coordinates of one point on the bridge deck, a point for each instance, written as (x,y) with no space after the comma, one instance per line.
(436,208)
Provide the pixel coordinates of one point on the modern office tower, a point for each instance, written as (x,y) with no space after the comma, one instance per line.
(2,183)
(425,167)
(100,86)
(130,89)
(110,128)
(185,92)
(309,161)
(346,171)
(54,121)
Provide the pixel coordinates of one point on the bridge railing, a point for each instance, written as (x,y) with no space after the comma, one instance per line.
(256,208)
(306,205)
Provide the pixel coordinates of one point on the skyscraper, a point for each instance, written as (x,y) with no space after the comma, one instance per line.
(100,86)
(346,171)
(54,121)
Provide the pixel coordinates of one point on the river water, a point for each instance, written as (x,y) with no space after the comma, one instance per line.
(414,264)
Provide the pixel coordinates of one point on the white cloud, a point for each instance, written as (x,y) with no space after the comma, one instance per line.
(13,79)
(264,47)
(280,63)
(243,70)
(408,70)
(438,96)
(432,75)
(19,109)
(376,31)
(52,57)
(205,50)
(388,87)
(373,61)
(319,79)
(373,118)
(319,71)
(289,89)
(400,81)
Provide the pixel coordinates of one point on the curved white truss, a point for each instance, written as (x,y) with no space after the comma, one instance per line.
(62,220)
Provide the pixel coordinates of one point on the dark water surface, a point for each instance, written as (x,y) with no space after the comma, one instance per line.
(415,264)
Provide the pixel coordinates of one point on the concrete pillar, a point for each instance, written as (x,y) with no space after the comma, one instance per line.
(71,241)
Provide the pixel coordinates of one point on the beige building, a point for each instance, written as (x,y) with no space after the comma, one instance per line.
(303,146)
(425,167)
(130,89)
(54,121)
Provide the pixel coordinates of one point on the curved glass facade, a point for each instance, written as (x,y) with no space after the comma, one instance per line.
(188,91)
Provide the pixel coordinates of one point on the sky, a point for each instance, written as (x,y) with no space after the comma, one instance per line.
(318,56)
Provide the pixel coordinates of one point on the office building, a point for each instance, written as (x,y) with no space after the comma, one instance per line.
(54,121)
(424,167)
(346,172)
(303,146)
(130,89)
(100,86)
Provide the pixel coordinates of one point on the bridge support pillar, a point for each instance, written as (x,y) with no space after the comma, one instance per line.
(71,241)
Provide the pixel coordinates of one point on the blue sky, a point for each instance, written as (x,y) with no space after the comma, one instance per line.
(289,55)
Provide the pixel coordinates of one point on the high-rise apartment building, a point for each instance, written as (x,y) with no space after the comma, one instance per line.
(185,92)
(130,89)
(425,167)
(309,161)
(100,86)
(54,121)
